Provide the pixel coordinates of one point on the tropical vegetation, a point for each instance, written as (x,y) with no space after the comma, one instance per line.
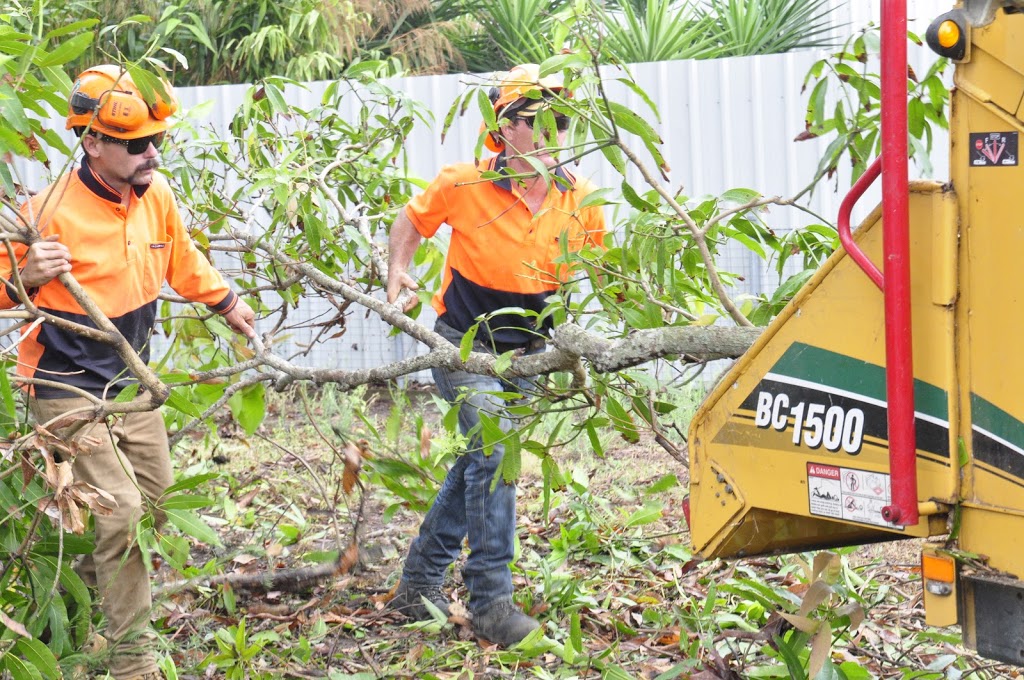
(205,42)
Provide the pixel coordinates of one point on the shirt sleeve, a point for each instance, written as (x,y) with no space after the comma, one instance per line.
(189,273)
(429,210)
(8,292)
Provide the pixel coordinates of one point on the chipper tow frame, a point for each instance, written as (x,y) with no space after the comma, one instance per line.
(887,401)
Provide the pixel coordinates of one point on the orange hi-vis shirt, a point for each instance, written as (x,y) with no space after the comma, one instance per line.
(502,255)
(122,257)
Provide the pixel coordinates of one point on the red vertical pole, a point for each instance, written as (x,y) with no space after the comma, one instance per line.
(896,267)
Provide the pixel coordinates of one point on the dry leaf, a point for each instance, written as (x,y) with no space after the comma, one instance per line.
(889,636)
(247,498)
(798,588)
(97,500)
(14,625)
(425,435)
(669,639)
(349,559)
(802,623)
(821,646)
(64,477)
(827,566)
(856,613)
(353,462)
(818,592)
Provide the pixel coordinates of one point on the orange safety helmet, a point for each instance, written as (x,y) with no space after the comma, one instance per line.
(514,87)
(106,98)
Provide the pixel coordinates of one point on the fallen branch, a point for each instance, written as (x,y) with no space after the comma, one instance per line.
(286,580)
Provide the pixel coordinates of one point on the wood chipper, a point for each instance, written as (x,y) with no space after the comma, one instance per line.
(887,400)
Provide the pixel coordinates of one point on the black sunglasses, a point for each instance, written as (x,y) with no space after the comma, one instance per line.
(136,146)
(561,122)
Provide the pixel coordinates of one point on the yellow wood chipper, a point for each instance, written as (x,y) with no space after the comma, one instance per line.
(887,400)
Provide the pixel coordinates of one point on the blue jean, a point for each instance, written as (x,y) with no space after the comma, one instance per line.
(466,505)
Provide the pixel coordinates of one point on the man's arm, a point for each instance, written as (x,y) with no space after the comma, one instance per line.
(403,241)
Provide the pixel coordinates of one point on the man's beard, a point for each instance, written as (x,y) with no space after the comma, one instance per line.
(148,165)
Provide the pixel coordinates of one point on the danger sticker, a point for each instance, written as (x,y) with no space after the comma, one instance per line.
(848,494)
(990,149)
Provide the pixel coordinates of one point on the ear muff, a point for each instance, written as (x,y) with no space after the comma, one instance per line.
(114,109)
(491,141)
(163,110)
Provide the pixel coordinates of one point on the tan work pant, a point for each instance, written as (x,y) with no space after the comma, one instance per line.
(132,460)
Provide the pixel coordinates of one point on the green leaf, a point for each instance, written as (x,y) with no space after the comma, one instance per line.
(184,501)
(503,362)
(631,122)
(70,28)
(179,402)
(741,196)
(466,344)
(127,394)
(614,156)
(791,657)
(622,420)
(249,407)
(616,673)
(73,545)
(598,197)
(816,104)
(560,62)
(321,556)
(12,111)
(190,483)
(275,97)
(191,524)
(199,32)
(635,200)
(20,670)
(512,462)
(486,109)
(595,439)
(67,51)
(664,484)
(38,655)
(178,56)
(645,515)
(576,631)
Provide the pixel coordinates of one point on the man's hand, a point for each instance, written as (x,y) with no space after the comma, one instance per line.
(45,261)
(403,240)
(399,282)
(241,319)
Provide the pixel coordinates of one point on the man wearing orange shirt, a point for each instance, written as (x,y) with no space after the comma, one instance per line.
(506,235)
(114,225)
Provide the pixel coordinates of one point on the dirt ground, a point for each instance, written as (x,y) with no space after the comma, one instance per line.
(630,591)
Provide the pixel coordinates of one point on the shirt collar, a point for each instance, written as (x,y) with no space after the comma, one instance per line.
(564,181)
(96,184)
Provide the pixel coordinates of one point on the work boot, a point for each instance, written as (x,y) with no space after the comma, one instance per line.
(408,600)
(503,623)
